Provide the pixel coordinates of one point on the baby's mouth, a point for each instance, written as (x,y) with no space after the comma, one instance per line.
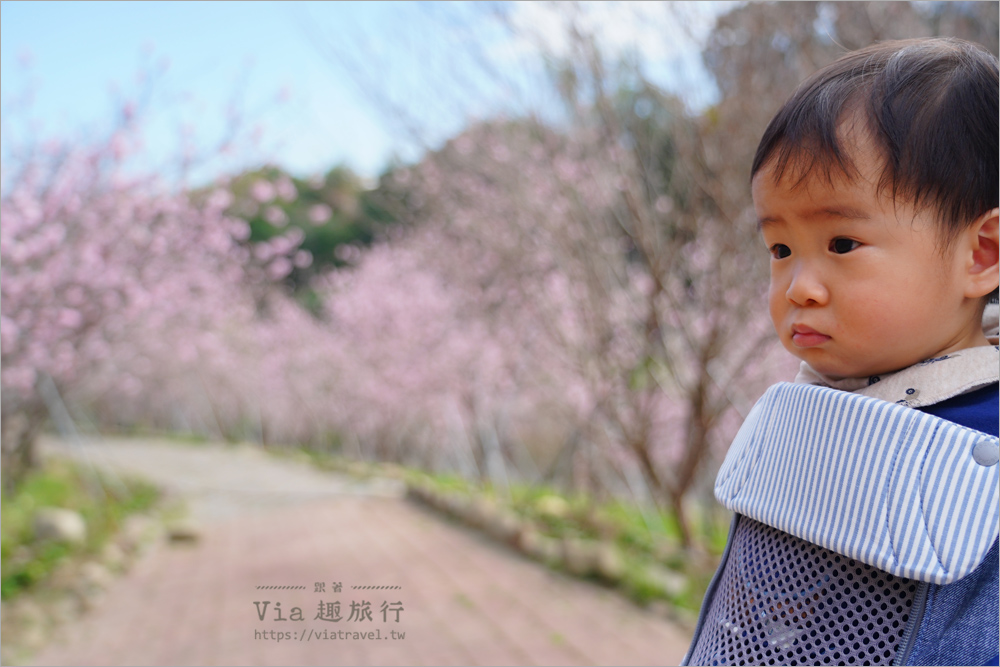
(803,336)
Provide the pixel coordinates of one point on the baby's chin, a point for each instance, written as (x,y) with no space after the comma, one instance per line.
(841,372)
(836,370)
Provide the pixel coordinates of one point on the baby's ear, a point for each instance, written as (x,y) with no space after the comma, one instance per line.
(984,270)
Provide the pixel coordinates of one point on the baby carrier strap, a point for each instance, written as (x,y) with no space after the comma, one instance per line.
(890,486)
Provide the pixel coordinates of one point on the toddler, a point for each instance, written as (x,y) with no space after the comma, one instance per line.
(866,493)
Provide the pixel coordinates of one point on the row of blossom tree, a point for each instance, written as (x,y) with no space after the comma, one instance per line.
(580,303)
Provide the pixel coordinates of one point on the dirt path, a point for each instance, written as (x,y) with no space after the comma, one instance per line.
(274,532)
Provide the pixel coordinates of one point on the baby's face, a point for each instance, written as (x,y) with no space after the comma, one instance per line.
(859,285)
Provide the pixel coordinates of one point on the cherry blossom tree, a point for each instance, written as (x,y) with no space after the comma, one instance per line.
(113,282)
(617,284)
(592,251)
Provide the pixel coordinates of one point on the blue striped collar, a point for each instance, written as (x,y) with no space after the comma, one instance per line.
(892,487)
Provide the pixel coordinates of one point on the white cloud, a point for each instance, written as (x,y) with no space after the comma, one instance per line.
(667,37)
(658,31)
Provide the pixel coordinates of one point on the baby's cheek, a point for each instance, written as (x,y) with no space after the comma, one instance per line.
(877,315)
(776,304)
(889,334)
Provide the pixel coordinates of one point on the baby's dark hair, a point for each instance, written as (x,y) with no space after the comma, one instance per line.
(929,107)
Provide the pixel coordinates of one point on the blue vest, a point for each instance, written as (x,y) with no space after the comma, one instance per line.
(865,533)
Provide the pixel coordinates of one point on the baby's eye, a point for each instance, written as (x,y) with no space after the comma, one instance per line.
(842,246)
(780,251)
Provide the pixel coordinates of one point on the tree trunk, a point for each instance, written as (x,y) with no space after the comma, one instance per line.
(559,472)
(19,448)
(683,525)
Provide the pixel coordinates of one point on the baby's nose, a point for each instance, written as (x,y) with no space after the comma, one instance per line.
(807,288)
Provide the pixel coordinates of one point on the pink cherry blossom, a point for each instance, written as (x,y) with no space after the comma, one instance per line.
(302,259)
(319,214)
(263,191)
(275,216)
(285,189)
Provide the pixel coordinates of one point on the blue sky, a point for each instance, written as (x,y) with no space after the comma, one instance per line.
(79,52)
(77,57)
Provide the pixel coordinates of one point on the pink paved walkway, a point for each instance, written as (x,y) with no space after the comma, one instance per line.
(464,600)
(266,522)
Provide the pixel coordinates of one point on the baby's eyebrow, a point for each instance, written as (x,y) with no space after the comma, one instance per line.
(765,221)
(846,212)
(840,212)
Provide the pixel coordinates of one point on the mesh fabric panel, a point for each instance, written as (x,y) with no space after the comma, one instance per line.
(784,601)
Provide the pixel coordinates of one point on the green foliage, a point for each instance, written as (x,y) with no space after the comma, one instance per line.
(640,586)
(25,562)
(648,538)
(337,215)
(331,211)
